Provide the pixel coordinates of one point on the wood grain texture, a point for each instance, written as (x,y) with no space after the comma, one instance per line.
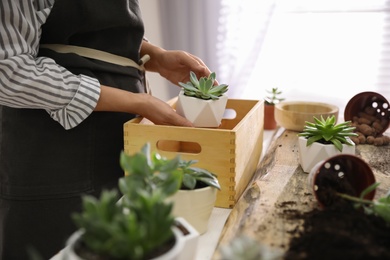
(231,151)
(279,186)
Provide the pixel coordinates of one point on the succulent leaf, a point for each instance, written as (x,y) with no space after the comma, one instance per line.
(203,87)
(327,131)
(194,79)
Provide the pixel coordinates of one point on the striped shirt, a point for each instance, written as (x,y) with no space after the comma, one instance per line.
(28,81)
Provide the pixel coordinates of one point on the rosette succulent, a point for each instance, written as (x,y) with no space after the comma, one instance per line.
(203,88)
(326,131)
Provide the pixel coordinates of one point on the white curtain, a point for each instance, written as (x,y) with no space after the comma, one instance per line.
(323,50)
(191,26)
(326,51)
(226,34)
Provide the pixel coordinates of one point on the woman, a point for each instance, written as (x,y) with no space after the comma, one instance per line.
(62,114)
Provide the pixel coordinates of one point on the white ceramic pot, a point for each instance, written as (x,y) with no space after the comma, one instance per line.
(186,242)
(202,113)
(310,155)
(195,206)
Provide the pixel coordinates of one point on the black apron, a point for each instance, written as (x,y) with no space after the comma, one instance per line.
(44,169)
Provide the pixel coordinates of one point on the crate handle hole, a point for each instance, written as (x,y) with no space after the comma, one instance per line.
(229,114)
(178,146)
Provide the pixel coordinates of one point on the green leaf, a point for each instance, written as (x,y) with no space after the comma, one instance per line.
(203,87)
(337,144)
(369,189)
(189,181)
(194,79)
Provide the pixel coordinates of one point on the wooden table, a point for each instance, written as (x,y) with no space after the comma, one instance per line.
(279,184)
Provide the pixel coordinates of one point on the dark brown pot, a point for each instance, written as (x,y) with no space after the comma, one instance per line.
(269,117)
(368,99)
(343,173)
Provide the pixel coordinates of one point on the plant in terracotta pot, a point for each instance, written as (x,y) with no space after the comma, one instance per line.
(201,101)
(272,98)
(322,139)
(379,207)
(138,225)
(342,173)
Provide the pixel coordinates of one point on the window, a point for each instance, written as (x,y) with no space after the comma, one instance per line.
(322,51)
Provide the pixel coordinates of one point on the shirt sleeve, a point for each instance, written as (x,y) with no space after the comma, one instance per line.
(28,81)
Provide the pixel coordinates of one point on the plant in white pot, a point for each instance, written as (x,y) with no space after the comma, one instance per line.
(201,101)
(138,225)
(323,139)
(195,199)
(197,195)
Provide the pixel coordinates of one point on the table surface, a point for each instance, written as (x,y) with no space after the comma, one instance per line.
(280,184)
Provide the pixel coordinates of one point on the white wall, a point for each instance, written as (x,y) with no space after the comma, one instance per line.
(151,19)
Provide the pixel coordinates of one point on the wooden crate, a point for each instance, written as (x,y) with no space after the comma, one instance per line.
(231,151)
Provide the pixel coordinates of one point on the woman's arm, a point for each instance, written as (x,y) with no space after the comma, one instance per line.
(152,108)
(39,83)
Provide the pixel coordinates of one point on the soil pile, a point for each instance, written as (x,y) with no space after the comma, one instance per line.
(340,232)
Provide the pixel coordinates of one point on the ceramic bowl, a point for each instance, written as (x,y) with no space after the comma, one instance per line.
(292,115)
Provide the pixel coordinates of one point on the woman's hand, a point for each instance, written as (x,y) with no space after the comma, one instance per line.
(152,108)
(175,66)
(160,113)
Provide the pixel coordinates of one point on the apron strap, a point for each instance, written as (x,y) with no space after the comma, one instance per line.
(98,55)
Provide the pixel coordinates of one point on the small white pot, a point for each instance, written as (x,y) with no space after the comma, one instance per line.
(202,113)
(195,206)
(186,242)
(310,155)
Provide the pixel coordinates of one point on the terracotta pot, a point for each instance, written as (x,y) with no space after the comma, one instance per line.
(269,117)
(362,100)
(343,173)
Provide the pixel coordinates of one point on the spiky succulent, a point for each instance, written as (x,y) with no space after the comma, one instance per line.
(204,87)
(327,131)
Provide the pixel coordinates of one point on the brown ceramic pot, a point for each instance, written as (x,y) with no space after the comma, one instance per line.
(269,117)
(343,173)
(368,99)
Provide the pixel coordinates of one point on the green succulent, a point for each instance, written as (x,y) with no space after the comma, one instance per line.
(193,176)
(273,97)
(246,248)
(125,231)
(327,131)
(133,226)
(140,222)
(204,87)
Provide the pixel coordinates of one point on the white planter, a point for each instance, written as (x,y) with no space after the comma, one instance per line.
(195,206)
(185,246)
(202,113)
(309,156)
